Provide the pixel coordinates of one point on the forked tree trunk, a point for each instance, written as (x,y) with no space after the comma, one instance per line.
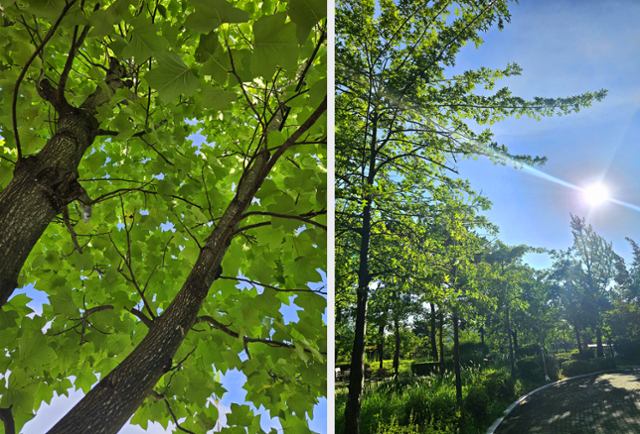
(44,183)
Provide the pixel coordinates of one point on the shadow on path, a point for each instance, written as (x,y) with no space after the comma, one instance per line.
(600,404)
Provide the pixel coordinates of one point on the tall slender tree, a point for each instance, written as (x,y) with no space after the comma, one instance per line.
(400,120)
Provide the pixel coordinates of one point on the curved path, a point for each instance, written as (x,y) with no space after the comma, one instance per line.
(599,404)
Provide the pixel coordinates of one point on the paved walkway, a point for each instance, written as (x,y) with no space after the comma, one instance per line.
(598,404)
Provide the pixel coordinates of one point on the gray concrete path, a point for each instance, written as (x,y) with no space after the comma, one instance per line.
(600,404)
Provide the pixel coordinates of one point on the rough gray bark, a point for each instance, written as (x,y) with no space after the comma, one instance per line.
(44,183)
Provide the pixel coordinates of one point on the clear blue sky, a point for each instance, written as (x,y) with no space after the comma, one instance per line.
(565,48)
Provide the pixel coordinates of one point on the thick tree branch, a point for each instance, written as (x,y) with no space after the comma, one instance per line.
(14,103)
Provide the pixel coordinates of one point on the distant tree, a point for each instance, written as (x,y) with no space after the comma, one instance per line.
(596,262)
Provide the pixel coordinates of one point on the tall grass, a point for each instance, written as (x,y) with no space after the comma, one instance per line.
(412,404)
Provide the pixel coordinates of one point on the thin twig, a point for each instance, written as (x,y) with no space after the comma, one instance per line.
(254,283)
(65,217)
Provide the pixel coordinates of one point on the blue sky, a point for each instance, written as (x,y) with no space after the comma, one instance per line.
(565,48)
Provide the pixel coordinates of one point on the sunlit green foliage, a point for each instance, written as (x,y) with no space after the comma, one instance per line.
(246,75)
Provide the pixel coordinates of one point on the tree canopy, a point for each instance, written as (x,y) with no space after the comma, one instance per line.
(139,235)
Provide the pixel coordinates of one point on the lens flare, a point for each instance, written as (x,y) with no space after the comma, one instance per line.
(596,194)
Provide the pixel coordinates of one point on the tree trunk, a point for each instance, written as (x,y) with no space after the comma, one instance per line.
(432,330)
(396,353)
(578,338)
(116,397)
(511,362)
(544,361)
(46,182)
(514,333)
(600,351)
(456,359)
(356,378)
(381,344)
(482,335)
(441,343)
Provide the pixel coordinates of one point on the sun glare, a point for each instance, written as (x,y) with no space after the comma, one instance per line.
(596,194)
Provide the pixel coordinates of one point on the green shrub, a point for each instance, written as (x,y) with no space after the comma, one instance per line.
(424,369)
(531,369)
(393,428)
(576,367)
(498,385)
(605,363)
(627,348)
(553,368)
(477,403)
(587,354)
(528,350)
(472,353)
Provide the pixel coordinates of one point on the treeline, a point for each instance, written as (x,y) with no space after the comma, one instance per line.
(486,309)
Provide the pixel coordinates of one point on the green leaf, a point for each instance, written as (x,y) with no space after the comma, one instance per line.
(145,40)
(275,45)
(217,66)
(172,78)
(209,14)
(102,22)
(306,13)
(46,8)
(217,99)
(208,45)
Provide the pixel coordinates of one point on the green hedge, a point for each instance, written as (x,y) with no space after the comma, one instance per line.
(579,367)
(531,369)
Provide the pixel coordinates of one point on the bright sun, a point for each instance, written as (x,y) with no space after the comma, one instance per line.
(596,194)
